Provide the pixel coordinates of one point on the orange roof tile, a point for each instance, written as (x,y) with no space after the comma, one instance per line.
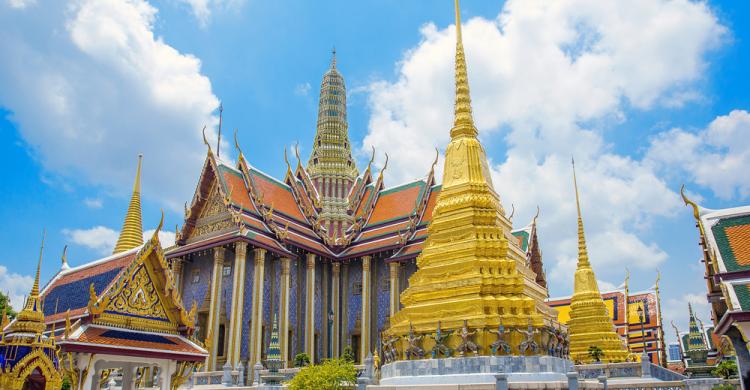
(396,202)
(236,185)
(130,339)
(739,241)
(427,217)
(278,194)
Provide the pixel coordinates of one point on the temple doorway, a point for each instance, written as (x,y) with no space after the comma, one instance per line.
(35,381)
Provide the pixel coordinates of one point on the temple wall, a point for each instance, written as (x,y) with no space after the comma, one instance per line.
(354,302)
(247,305)
(382,294)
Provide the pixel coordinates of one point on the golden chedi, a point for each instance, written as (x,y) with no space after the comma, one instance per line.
(466,271)
(590,324)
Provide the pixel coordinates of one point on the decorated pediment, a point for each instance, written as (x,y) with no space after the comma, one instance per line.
(144,297)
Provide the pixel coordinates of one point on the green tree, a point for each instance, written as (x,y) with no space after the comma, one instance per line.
(5,305)
(301,360)
(725,369)
(333,374)
(596,353)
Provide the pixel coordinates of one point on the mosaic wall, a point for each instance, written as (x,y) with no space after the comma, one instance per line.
(293,269)
(319,315)
(354,305)
(382,290)
(195,277)
(247,306)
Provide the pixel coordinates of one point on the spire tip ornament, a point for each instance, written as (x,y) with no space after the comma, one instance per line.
(131,235)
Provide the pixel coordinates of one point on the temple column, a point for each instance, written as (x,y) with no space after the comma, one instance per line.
(257,321)
(310,307)
(177,273)
(335,299)
(284,288)
(394,267)
(214,311)
(366,304)
(238,301)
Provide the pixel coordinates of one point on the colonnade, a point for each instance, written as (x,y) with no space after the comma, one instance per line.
(334,309)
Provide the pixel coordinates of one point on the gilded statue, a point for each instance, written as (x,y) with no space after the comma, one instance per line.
(466,344)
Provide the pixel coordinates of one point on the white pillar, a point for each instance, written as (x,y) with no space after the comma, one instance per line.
(238,295)
(366,305)
(215,310)
(394,268)
(257,309)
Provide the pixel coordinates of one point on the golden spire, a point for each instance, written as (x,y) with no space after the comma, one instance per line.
(463,122)
(31,318)
(131,235)
(583,255)
(590,323)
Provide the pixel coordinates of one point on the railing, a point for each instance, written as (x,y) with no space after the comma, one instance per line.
(656,385)
(610,370)
(664,374)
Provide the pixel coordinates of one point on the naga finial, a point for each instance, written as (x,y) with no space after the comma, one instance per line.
(536,216)
(205,140)
(286,160)
(296,153)
(437,156)
(688,202)
(372,156)
(155,236)
(237,145)
(512,212)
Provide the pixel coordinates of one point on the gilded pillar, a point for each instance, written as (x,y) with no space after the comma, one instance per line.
(366,310)
(310,307)
(238,300)
(215,307)
(394,267)
(177,274)
(284,309)
(335,299)
(257,309)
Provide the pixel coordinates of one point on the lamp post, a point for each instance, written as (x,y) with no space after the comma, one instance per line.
(330,333)
(645,360)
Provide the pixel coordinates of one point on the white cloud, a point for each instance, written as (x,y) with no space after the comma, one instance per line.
(93,203)
(717,157)
(165,238)
(91,87)
(99,238)
(676,310)
(103,239)
(203,9)
(302,89)
(551,78)
(16,286)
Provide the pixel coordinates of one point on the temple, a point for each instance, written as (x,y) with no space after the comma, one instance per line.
(121,315)
(724,236)
(638,332)
(590,325)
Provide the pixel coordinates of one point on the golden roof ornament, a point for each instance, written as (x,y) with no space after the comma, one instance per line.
(466,255)
(31,318)
(131,235)
(64,259)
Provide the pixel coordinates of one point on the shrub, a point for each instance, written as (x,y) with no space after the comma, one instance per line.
(725,369)
(596,353)
(348,355)
(333,374)
(301,360)
(65,384)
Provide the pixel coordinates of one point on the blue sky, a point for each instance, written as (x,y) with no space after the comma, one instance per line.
(647,95)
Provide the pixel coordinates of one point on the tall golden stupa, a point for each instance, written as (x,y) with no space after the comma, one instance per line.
(589,323)
(467,270)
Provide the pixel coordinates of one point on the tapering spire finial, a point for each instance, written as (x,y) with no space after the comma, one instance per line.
(583,256)
(35,287)
(333,58)
(463,122)
(218,141)
(131,235)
